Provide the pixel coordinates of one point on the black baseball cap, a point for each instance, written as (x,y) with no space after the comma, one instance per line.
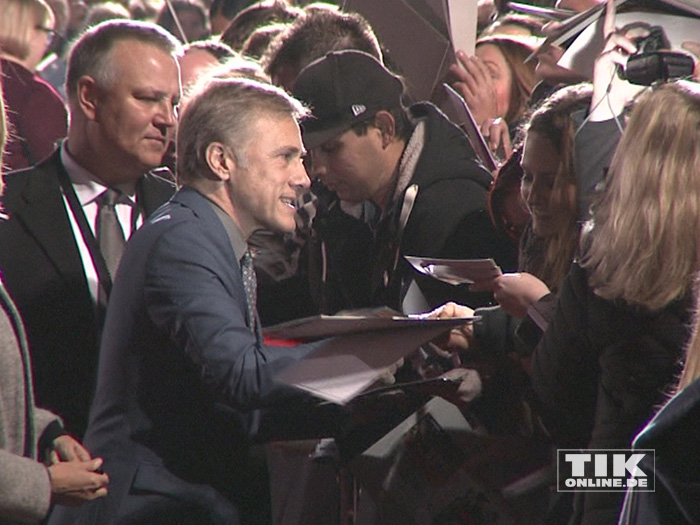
(342,89)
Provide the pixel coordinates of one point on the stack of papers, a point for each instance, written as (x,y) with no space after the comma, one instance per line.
(359,350)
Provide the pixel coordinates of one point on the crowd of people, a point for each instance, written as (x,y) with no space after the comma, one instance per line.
(179,176)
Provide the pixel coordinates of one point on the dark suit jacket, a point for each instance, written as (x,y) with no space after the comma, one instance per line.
(673,435)
(43,271)
(178,376)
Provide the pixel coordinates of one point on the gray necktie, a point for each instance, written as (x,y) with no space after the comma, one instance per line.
(110,235)
(250,284)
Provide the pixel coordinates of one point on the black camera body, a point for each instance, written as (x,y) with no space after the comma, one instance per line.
(653,61)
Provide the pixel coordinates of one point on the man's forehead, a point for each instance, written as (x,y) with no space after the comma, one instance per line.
(136,58)
(337,139)
(132,49)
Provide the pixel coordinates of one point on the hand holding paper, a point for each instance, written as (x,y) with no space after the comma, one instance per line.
(369,348)
(515,292)
(460,337)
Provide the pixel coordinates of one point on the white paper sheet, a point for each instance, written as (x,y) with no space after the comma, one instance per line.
(456,271)
(346,365)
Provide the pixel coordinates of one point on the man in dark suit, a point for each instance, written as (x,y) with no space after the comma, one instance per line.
(185,381)
(123,86)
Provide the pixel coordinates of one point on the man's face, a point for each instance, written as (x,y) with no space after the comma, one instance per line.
(351,165)
(270,176)
(135,114)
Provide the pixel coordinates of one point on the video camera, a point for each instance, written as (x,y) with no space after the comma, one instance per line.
(653,61)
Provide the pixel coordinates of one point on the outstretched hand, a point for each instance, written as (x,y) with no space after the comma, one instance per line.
(515,292)
(460,338)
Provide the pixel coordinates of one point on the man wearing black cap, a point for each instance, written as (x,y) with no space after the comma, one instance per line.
(414,164)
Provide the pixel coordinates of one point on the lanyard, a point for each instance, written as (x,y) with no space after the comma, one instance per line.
(98,261)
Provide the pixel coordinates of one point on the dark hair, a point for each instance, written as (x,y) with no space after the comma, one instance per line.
(553,120)
(403,127)
(166,19)
(507,182)
(259,41)
(217,49)
(227,8)
(316,33)
(256,15)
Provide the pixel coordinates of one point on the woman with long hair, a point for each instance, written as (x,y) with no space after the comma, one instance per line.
(614,344)
(548,245)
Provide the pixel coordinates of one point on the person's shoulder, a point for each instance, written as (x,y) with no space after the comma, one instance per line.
(37,179)
(447,153)
(185,207)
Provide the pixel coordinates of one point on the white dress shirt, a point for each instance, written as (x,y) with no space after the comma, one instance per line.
(88,188)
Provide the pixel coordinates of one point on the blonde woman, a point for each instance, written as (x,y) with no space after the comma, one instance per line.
(614,344)
(36,113)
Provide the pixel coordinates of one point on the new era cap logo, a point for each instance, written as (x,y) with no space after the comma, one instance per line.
(358,109)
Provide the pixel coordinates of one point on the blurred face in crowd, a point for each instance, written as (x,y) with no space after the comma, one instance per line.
(192,24)
(193,63)
(500,72)
(42,34)
(269,176)
(540,163)
(135,112)
(354,166)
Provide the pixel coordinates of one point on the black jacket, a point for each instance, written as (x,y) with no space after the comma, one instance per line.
(673,434)
(449,218)
(601,370)
(44,274)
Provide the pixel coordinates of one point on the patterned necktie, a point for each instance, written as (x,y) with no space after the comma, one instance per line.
(110,235)
(250,284)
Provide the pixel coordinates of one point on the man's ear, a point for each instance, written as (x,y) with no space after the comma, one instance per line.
(88,97)
(386,124)
(221,161)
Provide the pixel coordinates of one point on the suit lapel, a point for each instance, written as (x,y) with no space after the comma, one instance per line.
(41,197)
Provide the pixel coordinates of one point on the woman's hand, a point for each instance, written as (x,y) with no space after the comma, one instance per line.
(67,448)
(472,80)
(497,137)
(515,292)
(610,92)
(75,482)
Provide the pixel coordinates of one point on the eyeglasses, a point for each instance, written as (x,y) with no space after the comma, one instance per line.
(50,33)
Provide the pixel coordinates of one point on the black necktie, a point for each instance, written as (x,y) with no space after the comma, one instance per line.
(110,235)
(250,285)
